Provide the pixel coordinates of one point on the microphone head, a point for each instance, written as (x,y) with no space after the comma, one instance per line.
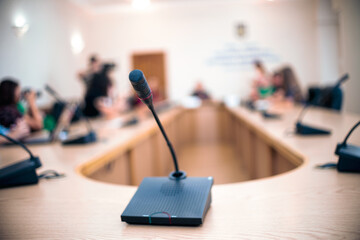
(141,87)
(136,75)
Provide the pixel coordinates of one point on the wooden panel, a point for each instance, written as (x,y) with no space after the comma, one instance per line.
(262,158)
(162,157)
(237,139)
(247,148)
(210,124)
(206,122)
(178,142)
(116,171)
(187,127)
(226,126)
(142,162)
(281,164)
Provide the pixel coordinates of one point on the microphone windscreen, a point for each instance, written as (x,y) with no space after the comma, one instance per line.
(136,75)
(140,84)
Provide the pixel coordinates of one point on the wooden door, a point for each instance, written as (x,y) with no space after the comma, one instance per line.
(153,66)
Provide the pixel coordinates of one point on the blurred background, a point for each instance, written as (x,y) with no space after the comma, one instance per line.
(181,42)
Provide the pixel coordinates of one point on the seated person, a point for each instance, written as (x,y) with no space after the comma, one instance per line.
(261,85)
(286,86)
(11,110)
(200,92)
(93,67)
(98,99)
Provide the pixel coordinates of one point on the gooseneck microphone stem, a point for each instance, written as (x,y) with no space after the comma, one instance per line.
(324,98)
(177,172)
(348,135)
(143,91)
(18,143)
(302,113)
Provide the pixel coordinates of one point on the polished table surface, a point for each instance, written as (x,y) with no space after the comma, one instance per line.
(304,203)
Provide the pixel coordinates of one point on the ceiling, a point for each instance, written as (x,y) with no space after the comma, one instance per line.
(99,6)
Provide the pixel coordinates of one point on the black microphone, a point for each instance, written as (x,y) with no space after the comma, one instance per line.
(141,87)
(194,193)
(349,155)
(54,94)
(21,173)
(143,91)
(90,137)
(341,81)
(303,129)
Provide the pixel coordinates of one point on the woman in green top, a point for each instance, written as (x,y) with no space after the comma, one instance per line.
(10,110)
(286,86)
(261,86)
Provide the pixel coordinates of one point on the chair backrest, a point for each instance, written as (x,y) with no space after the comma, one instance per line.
(327,97)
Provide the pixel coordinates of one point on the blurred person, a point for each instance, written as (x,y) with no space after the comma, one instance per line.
(94,66)
(11,109)
(200,92)
(286,86)
(261,84)
(99,98)
(18,131)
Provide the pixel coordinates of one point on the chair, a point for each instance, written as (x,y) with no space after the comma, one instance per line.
(326,97)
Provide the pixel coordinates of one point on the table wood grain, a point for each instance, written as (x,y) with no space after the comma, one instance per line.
(305,203)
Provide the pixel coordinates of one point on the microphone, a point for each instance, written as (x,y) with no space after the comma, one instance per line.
(141,87)
(21,173)
(340,81)
(173,200)
(54,94)
(143,91)
(90,137)
(303,129)
(349,155)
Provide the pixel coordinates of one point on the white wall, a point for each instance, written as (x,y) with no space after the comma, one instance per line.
(191,33)
(349,11)
(43,54)
(328,42)
(194,34)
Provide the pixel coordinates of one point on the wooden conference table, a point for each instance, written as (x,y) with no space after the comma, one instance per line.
(285,196)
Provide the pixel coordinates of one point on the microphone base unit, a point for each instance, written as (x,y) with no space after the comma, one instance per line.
(349,158)
(19,174)
(88,138)
(131,122)
(269,115)
(303,129)
(170,201)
